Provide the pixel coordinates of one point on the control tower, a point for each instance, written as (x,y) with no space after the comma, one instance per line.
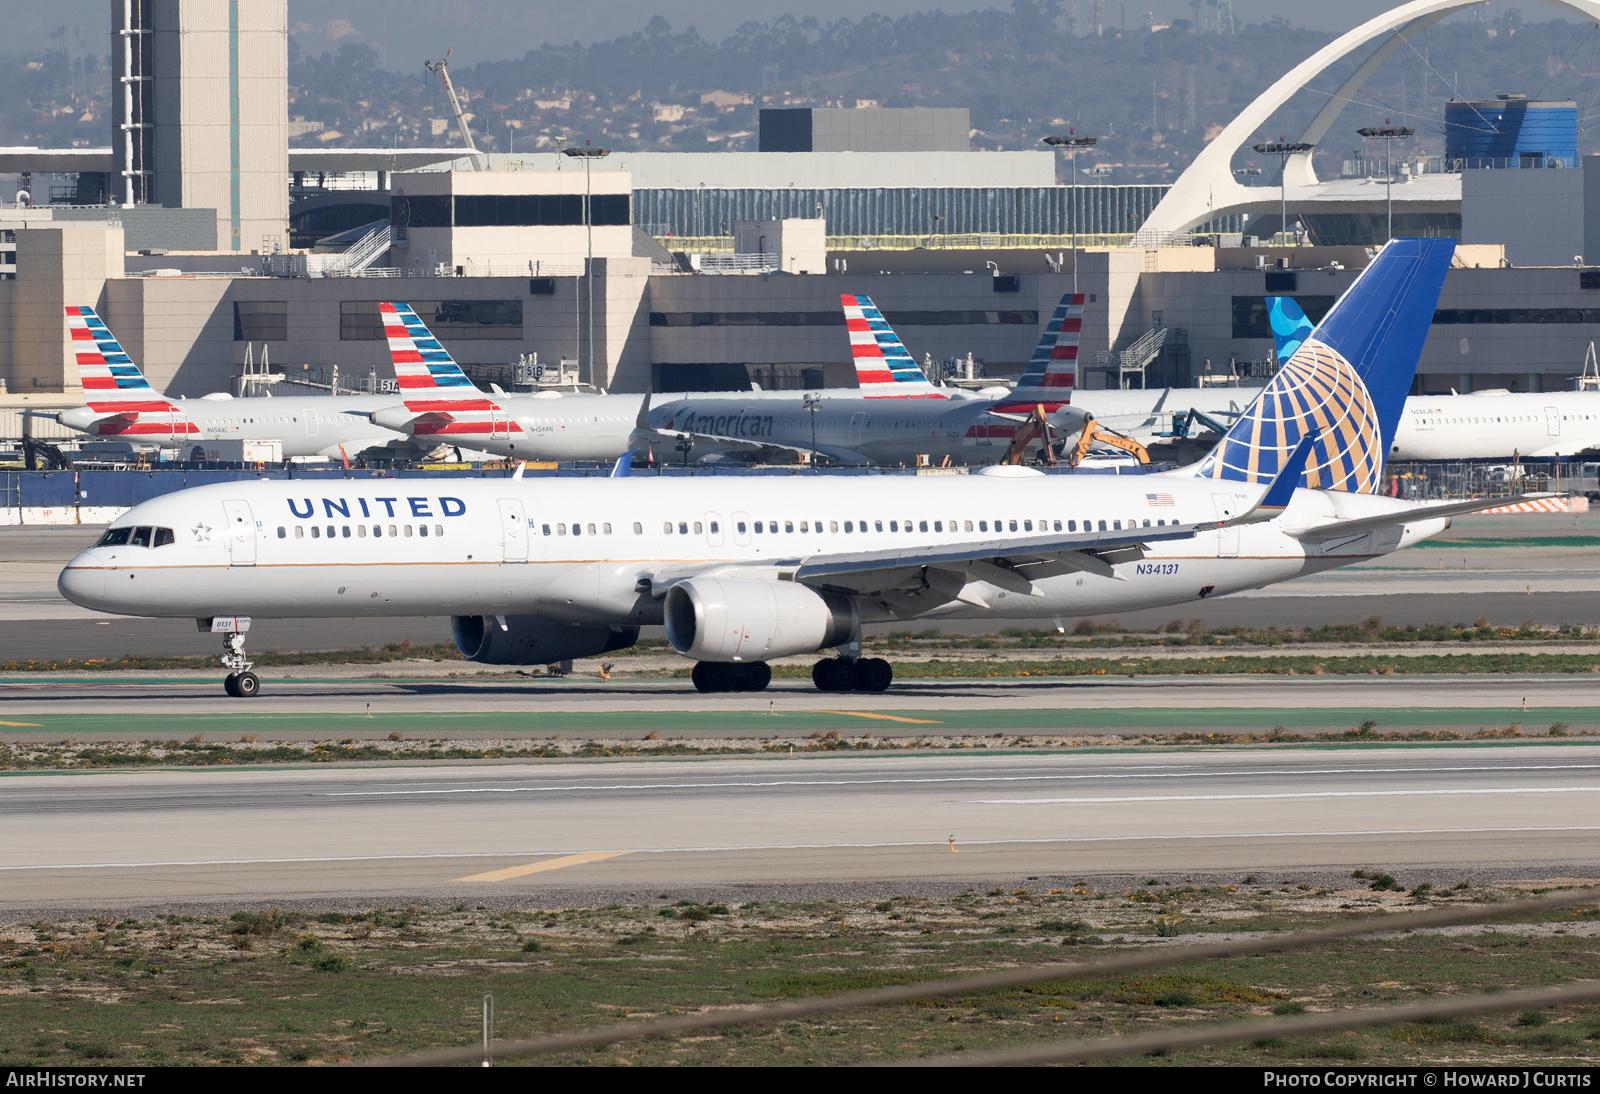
(200,112)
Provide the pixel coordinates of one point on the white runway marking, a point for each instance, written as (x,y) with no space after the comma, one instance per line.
(931,780)
(936,844)
(1306,794)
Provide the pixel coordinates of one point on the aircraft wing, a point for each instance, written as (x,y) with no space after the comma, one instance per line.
(1571,446)
(744,444)
(1011,564)
(1422,512)
(914,579)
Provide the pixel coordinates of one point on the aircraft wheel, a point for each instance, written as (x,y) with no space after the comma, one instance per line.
(230,684)
(839,674)
(701,675)
(819,674)
(247,685)
(724,676)
(873,674)
(757,675)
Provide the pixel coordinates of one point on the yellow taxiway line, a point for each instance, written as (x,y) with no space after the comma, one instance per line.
(540,867)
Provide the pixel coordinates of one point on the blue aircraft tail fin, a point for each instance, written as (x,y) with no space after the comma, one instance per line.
(1290,326)
(1347,382)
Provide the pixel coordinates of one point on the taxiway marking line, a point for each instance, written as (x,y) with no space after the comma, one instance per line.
(934,844)
(30,725)
(880,717)
(735,784)
(1307,794)
(540,867)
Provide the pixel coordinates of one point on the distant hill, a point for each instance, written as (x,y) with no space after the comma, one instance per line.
(1153,96)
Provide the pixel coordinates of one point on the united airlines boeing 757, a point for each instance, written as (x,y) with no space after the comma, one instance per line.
(741,570)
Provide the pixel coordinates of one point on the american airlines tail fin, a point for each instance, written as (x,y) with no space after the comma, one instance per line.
(1053,369)
(111,381)
(1347,381)
(1290,327)
(423,368)
(880,356)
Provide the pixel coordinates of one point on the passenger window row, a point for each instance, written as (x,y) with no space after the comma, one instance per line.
(343,530)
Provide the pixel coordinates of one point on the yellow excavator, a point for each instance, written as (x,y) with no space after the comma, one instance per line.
(1037,427)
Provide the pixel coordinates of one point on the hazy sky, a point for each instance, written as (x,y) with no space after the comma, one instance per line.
(404,32)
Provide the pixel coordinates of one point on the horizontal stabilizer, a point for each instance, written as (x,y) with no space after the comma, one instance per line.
(1422,512)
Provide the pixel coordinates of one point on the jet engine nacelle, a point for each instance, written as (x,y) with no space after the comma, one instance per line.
(534,640)
(717,619)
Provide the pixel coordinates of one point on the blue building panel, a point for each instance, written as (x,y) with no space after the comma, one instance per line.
(1510,132)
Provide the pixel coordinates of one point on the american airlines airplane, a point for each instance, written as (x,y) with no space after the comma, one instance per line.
(896,415)
(741,570)
(437,404)
(1486,425)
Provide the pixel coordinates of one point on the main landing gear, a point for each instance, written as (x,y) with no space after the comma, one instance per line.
(240,682)
(731,675)
(852,674)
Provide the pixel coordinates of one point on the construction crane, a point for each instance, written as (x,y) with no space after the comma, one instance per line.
(1093,434)
(441,69)
(1035,427)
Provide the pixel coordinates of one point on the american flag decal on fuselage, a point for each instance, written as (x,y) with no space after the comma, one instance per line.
(431,382)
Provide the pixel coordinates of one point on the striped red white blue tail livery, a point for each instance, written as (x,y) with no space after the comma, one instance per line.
(880,357)
(113,386)
(432,384)
(423,368)
(1053,369)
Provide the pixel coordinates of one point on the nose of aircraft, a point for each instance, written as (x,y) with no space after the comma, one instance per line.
(83,581)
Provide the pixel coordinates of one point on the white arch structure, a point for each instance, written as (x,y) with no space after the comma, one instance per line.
(1207,188)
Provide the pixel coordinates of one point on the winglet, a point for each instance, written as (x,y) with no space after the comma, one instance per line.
(624,465)
(1283,485)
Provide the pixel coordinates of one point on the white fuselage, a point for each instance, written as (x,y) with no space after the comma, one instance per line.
(1497,425)
(857,427)
(597,550)
(577,427)
(309,425)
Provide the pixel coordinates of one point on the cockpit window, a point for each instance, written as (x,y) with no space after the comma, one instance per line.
(141,537)
(114,537)
(164,536)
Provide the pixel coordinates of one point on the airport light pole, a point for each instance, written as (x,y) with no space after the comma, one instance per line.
(1388,134)
(813,403)
(1283,151)
(1071,143)
(588,155)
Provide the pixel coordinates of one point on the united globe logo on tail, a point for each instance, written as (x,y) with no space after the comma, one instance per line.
(1346,384)
(1317,391)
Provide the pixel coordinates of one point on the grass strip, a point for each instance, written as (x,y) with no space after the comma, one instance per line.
(347,982)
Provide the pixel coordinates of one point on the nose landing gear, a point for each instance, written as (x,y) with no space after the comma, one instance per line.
(240,682)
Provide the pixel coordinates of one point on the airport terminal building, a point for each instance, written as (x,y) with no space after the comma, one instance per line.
(669,271)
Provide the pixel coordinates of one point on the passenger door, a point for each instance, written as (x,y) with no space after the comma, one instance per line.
(241,533)
(1552,421)
(311,422)
(714,530)
(741,529)
(856,421)
(1227,538)
(499,426)
(514,530)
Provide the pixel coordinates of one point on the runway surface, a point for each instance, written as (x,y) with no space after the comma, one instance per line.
(1539,568)
(136,709)
(534,832)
